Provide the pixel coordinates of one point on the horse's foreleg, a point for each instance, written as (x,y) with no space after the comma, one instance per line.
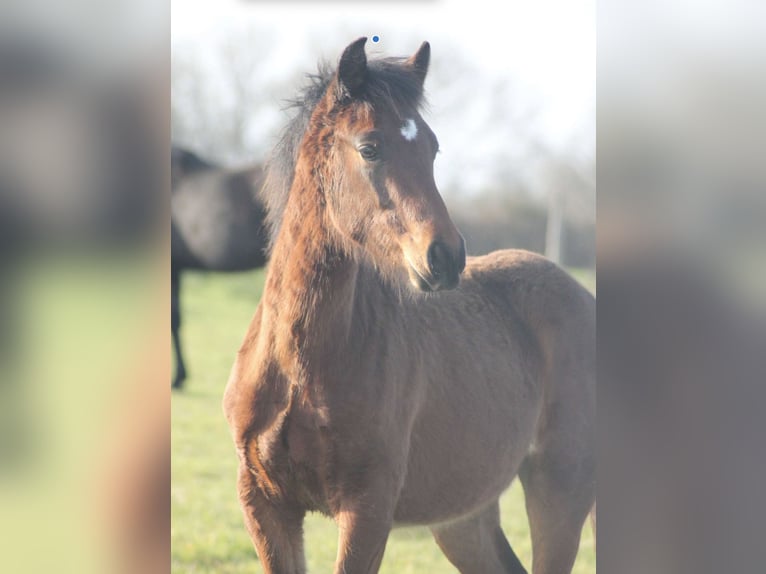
(363,537)
(276,528)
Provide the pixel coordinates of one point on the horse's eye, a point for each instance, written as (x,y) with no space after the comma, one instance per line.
(369,152)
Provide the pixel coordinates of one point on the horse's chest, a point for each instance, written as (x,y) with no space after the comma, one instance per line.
(303,439)
(292,456)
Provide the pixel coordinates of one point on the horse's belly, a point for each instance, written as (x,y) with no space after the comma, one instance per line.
(461,461)
(432,499)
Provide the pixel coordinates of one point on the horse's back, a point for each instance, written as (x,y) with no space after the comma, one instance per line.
(530,282)
(553,306)
(558,312)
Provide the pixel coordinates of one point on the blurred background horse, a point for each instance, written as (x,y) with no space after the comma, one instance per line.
(217,224)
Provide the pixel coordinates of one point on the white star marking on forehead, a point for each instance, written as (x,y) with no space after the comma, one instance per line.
(409,129)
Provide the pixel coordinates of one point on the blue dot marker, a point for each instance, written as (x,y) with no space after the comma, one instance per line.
(376,39)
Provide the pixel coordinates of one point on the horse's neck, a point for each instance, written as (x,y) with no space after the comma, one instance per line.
(310,291)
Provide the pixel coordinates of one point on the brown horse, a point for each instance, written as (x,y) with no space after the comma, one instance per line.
(361,393)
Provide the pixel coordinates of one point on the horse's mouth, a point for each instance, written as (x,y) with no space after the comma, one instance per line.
(420,282)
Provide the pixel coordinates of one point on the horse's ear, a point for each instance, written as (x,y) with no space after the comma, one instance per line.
(352,69)
(419,61)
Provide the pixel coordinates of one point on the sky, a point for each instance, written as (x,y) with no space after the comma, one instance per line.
(547,47)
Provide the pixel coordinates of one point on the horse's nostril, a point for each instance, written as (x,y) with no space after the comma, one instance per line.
(438,259)
(445,266)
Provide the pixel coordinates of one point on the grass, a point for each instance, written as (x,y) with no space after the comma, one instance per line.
(208,535)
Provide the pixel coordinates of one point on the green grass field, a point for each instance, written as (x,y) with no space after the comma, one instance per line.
(208,534)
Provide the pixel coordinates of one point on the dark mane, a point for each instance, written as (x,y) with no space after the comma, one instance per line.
(389,83)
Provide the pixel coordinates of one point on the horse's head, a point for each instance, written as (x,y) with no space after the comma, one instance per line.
(381,196)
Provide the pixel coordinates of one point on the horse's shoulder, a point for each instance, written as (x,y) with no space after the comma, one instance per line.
(255,380)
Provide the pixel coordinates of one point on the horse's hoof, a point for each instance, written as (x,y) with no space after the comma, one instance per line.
(177,385)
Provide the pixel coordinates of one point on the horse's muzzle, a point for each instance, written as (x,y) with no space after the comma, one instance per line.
(444,267)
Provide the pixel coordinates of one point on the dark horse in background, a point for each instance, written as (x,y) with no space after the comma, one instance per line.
(216,225)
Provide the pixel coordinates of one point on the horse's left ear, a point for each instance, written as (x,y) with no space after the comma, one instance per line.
(419,61)
(352,69)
